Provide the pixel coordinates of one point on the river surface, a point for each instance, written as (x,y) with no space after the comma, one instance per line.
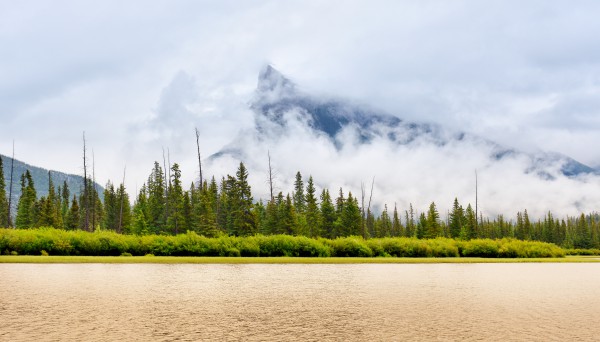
(360,302)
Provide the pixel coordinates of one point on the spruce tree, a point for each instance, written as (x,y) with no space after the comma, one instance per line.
(299,198)
(26,213)
(396,225)
(312,210)
(327,215)
(433,225)
(72,221)
(176,218)
(457,217)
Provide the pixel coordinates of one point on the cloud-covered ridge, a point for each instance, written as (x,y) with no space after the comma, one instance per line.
(342,144)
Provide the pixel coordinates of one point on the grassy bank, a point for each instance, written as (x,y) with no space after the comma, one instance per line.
(54,242)
(36,259)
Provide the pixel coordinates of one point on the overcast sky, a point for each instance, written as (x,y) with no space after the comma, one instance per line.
(138,76)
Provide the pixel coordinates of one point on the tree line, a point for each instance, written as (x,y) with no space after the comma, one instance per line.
(227,207)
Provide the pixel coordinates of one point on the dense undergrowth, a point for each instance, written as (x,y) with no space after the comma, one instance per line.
(105,243)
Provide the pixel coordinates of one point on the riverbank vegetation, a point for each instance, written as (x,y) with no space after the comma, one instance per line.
(223,218)
(50,241)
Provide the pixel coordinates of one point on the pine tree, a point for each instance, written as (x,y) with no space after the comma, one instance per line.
(139,223)
(124,210)
(111,208)
(469,228)
(156,200)
(457,218)
(288,223)
(26,216)
(327,215)
(205,210)
(312,210)
(175,219)
(433,225)
(385,226)
(65,196)
(4,210)
(72,221)
(396,225)
(245,221)
(351,219)
(299,198)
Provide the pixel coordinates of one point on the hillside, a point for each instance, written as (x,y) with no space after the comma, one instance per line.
(40,179)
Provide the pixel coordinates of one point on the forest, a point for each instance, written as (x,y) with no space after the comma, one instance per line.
(227,207)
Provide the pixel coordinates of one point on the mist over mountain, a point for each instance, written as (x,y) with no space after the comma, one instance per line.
(343,144)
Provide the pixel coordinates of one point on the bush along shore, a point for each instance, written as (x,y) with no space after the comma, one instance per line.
(50,241)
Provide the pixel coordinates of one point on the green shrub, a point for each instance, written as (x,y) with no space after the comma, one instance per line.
(352,246)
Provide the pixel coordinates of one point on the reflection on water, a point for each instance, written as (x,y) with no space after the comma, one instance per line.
(108,302)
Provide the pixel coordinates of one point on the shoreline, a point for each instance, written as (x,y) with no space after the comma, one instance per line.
(34,259)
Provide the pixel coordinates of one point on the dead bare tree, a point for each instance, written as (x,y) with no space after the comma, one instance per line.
(85,189)
(270,177)
(476,208)
(166,187)
(199,159)
(120,230)
(12,170)
(94,191)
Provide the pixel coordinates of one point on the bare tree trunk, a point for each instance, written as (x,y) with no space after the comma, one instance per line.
(94,191)
(166,188)
(270,177)
(85,190)
(362,208)
(476,208)
(12,170)
(199,159)
(120,229)
(371,196)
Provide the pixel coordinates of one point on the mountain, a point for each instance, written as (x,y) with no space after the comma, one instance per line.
(40,180)
(277,99)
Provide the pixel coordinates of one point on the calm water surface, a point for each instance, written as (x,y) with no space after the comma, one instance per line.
(440,302)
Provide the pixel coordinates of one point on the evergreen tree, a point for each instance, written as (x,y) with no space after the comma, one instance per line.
(396,225)
(469,228)
(433,229)
(288,223)
(421,228)
(139,223)
(457,218)
(312,210)
(111,208)
(156,200)
(351,219)
(26,216)
(299,198)
(65,196)
(175,215)
(48,213)
(205,210)
(245,220)
(327,215)
(385,225)
(72,221)
(124,210)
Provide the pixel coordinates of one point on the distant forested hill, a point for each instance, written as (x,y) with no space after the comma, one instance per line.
(40,179)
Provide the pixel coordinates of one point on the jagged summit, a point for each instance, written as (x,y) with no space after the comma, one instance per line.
(270,80)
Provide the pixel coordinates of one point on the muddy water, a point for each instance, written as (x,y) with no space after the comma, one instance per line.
(489,302)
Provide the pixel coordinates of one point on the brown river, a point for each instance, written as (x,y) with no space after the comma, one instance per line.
(360,302)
